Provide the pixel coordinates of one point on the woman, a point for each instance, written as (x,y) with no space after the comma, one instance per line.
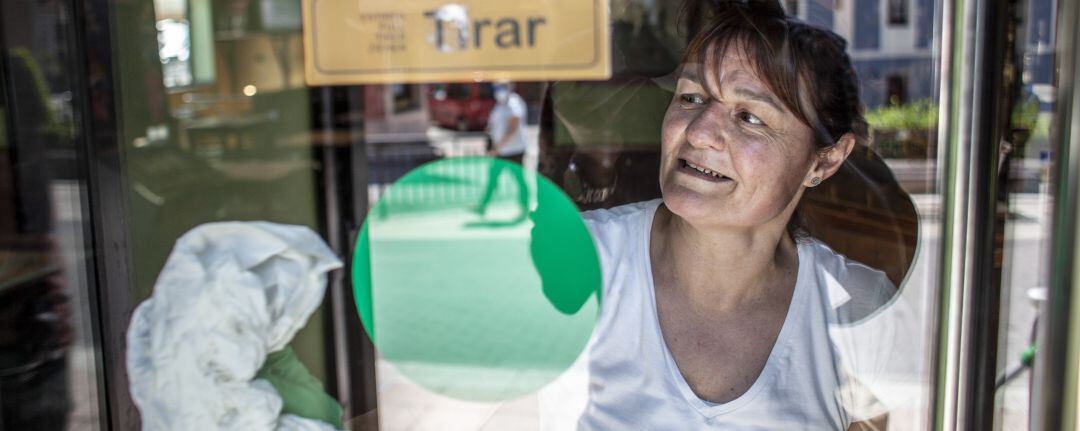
(719,311)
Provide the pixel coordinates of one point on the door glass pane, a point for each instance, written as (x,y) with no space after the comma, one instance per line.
(600,142)
(49,361)
(1024,202)
(502,244)
(218,126)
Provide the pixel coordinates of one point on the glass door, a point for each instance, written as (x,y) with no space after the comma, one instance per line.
(405,228)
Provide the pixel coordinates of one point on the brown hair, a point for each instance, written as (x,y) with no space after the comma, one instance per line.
(805,66)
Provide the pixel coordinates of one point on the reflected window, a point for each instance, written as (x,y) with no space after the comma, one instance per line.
(405,97)
(896,90)
(898,12)
(486,91)
(279,15)
(174,48)
(185,42)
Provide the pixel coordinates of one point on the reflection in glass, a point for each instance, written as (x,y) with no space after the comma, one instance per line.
(49,362)
(1023,205)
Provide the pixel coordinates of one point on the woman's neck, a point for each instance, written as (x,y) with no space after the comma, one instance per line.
(722,267)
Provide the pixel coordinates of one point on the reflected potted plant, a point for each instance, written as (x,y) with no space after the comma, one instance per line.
(903,131)
(1025,119)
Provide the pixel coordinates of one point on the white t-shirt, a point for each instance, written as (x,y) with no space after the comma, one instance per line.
(499,120)
(830,339)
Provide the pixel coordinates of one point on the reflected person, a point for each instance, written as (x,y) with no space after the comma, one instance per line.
(719,310)
(506,129)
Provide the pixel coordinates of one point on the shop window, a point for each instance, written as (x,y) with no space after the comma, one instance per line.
(421,213)
(185,42)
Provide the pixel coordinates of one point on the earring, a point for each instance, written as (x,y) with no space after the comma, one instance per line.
(815,181)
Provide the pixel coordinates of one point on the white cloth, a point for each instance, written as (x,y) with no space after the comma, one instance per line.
(809,379)
(499,122)
(229,294)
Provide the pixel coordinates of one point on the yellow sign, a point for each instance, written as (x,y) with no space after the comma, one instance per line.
(391,41)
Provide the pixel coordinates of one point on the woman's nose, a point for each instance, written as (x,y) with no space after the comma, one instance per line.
(707,129)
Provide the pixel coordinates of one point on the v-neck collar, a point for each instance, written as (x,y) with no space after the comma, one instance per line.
(780,346)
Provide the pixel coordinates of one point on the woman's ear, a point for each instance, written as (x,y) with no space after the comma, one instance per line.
(830,159)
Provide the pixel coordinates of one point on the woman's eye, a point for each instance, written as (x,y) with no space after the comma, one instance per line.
(693,98)
(751,118)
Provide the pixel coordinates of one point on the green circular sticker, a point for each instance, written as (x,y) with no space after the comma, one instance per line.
(476,279)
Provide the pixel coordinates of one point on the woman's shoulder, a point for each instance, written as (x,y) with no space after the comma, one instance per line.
(621,219)
(622,229)
(854,289)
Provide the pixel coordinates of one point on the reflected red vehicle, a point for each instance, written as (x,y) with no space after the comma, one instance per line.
(461,106)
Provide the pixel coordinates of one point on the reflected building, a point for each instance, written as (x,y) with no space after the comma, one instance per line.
(889,42)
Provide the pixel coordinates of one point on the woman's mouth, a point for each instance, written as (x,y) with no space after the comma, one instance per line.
(701,172)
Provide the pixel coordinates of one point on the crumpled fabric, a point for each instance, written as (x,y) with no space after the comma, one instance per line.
(230,293)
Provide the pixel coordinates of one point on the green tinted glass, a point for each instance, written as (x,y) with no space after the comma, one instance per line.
(477,279)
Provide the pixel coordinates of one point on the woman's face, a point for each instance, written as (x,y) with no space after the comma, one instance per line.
(732,154)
